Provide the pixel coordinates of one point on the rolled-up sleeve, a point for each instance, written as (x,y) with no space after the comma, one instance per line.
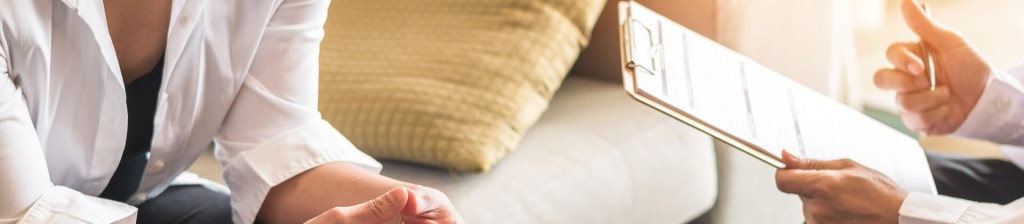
(28,195)
(999,114)
(273,130)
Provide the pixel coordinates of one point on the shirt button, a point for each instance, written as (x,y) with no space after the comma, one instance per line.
(137,198)
(93,187)
(184,20)
(1003,103)
(157,165)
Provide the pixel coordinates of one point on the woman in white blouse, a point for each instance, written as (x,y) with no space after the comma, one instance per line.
(971,99)
(104,103)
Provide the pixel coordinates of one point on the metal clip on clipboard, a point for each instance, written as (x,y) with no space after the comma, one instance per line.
(644,51)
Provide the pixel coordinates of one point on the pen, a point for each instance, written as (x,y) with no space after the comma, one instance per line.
(929,62)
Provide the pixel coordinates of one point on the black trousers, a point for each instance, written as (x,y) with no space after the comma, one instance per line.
(186,204)
(982,180)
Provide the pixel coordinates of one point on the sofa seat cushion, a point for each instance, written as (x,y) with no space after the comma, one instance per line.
(596,156)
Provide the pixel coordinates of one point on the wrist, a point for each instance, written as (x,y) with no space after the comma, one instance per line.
(894,212)
(334,184)
(988,113)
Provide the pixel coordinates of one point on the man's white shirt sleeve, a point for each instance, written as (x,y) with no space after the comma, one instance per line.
(998,117)
(999,114)
(927,208)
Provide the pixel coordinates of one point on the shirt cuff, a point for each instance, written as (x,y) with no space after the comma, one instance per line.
(996,117)
(252,173)
(64,205)
(927,208)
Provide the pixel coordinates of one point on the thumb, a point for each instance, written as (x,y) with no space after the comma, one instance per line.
(930,31)
(793,162)
(382,208)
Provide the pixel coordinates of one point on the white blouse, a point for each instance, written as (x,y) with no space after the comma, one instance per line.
(241,74)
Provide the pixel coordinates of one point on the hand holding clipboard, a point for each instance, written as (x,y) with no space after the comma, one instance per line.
(750,107)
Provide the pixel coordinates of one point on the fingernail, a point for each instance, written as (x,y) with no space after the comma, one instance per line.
(914,70)
(789,158)
(922,82)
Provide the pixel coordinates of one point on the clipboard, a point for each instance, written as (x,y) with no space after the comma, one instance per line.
(750,107)
(642,54)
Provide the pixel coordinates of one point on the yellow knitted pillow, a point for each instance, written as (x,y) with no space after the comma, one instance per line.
(448,83)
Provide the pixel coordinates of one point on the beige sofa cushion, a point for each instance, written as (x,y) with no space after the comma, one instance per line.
(449,83)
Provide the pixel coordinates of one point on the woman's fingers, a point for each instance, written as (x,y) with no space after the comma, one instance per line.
(428,205)
(891,79)
(379,210)
(905,57)
(922,100)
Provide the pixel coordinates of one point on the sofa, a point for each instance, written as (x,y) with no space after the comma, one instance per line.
(598,156)
(595,156)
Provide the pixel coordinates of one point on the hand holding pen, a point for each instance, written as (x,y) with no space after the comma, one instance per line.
(938,80)
(926,56)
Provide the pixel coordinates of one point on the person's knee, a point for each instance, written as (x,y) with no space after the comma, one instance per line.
(214,212)
(187,204)
(214,208)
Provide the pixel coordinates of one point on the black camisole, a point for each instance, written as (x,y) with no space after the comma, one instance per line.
(141,97)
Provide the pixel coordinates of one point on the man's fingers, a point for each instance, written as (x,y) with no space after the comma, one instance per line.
(890,79)
(922,100)
(905,57)
(926,120)
(806,177)
(917,19)
(792,162)
(802,182)
(931,32)
(380,209)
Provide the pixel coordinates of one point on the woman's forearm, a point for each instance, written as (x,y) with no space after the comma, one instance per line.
(327,186)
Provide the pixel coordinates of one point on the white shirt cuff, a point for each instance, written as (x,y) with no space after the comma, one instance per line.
(64,205)
(996,117)
(927,208)
(252,173)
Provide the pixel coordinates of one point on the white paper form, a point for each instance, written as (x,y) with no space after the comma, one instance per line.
(833,131)
(772,111)
(730,92)
(716,82)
